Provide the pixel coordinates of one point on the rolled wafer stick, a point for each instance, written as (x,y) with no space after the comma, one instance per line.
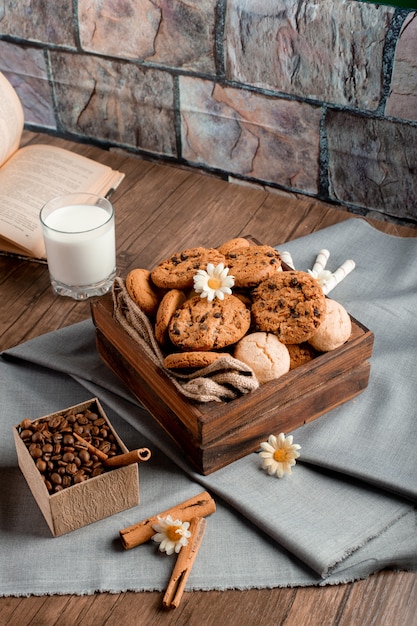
(184,563)
(101,455)
(287,258)
(320,262)
(198,506)
(338,276)
(134,456)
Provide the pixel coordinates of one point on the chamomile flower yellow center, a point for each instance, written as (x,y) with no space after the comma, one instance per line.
(280,455)
(213,282)
(173,533)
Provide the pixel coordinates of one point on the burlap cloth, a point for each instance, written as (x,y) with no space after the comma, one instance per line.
(225,379)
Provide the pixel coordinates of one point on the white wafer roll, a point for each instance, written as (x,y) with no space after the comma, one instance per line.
(320,262)
(287,258)
(338,276)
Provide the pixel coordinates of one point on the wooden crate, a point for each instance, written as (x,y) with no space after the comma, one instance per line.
(92,500)
(212,435)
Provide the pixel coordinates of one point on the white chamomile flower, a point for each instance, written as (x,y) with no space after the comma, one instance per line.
(279,454)
(213,282)
(171,534)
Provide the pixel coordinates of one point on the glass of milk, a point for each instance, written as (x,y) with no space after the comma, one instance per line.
(79,236)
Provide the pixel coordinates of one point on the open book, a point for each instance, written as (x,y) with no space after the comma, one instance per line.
(32,175)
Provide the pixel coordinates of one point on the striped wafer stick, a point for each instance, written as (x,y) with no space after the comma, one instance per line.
(320,262)
(287,258)
(338,276)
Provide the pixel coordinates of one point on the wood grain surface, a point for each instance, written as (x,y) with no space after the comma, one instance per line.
(158,208)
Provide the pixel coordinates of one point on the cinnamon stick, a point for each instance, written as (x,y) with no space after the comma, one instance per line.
(198,506)
(134,456)
(184,563)
(101,455)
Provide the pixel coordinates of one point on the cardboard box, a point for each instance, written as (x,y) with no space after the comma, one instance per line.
(78,505)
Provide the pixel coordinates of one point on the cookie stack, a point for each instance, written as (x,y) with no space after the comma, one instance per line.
(269,321)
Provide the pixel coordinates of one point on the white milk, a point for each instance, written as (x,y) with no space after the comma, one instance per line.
(81,247)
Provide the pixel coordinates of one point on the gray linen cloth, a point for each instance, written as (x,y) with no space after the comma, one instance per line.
(347,510)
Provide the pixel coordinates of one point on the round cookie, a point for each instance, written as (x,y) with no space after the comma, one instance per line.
(167,307)
(142,291)
(178,271)
(252,264)
(232,244)
(300,353)
(335,329)
(185,360)
(199,325)
(265,354)
(290,304)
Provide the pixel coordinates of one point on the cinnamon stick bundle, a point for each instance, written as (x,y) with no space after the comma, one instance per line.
(198,506)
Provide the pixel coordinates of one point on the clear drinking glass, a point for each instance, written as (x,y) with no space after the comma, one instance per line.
(79,235)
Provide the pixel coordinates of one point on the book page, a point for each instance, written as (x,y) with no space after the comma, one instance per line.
(36,174)
(11,119)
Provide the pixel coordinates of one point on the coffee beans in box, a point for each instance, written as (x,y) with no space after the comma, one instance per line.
(69,480)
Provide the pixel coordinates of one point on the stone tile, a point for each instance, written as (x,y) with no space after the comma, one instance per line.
(252,135)
(26,70)
(402,100)
(173,33)
(326,50)
(372,163)
(115,101)
(47,21)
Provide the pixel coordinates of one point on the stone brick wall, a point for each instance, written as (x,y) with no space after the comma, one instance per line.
(317,97)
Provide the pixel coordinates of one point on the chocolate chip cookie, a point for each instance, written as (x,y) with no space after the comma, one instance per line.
(300,353)
(290,304)
(178,271)
(190,360)
(168,305)
(199,325)
(252,264)
(232,244)
(142,291)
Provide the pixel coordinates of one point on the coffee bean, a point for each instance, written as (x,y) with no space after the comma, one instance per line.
(56,478)
(68,457)
(55,422)
(37,436)
(68,440)
(79,477)
(36,453)
(26,434)
(41,465)
(84,455)
(71,469)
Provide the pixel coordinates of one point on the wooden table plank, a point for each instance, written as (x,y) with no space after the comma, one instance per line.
(159,209)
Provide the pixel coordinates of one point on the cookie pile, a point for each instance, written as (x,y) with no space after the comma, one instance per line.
(269,321)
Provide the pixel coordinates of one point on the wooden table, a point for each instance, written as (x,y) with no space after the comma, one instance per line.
(160,209)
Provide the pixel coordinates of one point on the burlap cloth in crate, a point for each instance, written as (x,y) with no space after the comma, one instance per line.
(225,379)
